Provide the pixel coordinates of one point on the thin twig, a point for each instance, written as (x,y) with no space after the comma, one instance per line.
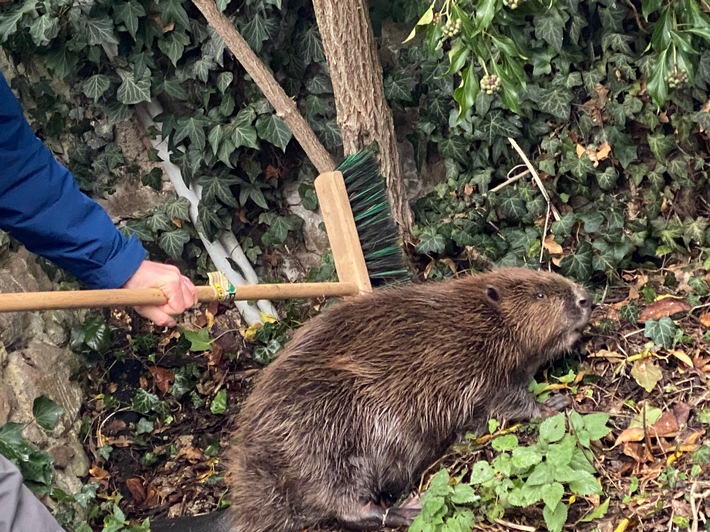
(507,182)
(515,526)
(536,177)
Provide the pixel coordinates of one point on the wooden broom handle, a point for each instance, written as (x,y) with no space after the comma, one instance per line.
(74,299)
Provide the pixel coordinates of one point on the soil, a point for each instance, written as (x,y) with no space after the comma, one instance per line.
(176,470)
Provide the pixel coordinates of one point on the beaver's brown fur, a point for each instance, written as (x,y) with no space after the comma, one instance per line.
(369,393)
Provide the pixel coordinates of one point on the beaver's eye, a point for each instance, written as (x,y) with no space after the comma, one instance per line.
(540,295)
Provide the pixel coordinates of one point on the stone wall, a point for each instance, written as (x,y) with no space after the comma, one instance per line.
(35,360)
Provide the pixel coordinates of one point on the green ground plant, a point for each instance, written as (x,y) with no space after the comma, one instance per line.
(558,466)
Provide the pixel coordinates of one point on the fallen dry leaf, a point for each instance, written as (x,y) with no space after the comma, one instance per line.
(681,411)
(552,247)
(603,151)
(632,434)
(662,308)
(637,451)
(135,486)
(666,426)
(682,356)
(705,319)
(98,473)
(162,377)
(647,374)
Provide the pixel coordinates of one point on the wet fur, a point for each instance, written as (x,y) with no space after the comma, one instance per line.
(372,391)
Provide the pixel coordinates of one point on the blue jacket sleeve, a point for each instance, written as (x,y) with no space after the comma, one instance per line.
(42,207)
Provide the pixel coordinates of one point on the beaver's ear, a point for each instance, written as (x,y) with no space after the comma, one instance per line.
(492,293)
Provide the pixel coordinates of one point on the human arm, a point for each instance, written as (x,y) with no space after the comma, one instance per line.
(42,206)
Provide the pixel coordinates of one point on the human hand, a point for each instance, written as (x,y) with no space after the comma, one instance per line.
(179,290)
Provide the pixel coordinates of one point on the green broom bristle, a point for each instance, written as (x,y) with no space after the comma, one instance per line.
(378,234)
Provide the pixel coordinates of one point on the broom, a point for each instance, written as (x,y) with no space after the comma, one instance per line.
(364,240)
(365,185)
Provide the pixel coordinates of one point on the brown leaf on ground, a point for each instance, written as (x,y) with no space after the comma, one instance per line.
(163,378)
(99,473)
(552,247)
(632,434)
(663,308)
(681,411)
(705,319)
(637,451)
(647,374)
(682,356)
(666,426)
(113,427)
(135,486)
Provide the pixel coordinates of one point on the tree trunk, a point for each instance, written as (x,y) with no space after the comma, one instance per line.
(364,116)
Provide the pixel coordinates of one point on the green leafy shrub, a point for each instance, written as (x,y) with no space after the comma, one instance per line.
(558,462)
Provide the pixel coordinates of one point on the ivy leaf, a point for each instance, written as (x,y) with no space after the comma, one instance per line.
(199,340)
(396,87)
(10,18)
(219,403)
(253,192)
(278,231)
(496,124)
(160,222)
(171,87)
(43,29)
(244,133)
(662,331)
(173,45)
(607,179)
(556,101)
(95,86)
(145,402)
(218,186)
(553,428)
(129,13)
(430,241)
(100,31)
(254,32)
(192,127)
(512,205)
(61,61)
(579,264)
(660,145)
(173,11)
(46,412)
(310,46)
(173,242)
(274,130)
(94,333)
(592,221)
(178,207)
(131,90)
(563,227)
(454,147)
(224,80)
(550,27)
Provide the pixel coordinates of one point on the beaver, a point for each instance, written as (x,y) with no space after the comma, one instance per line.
(369,393)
